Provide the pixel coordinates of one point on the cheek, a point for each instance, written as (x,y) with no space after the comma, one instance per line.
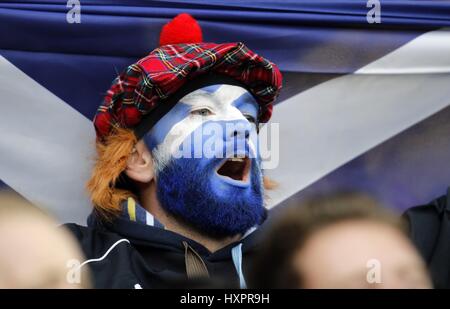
(180,132)
(165,147)
(254,143)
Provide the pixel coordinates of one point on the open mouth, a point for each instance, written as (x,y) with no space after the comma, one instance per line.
(235,168)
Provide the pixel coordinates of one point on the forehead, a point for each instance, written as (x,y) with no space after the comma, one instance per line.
(220,96)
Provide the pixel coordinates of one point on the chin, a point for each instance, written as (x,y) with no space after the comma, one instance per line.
(219,198)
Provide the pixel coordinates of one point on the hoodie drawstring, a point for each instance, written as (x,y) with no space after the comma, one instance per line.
(236,254)
(195,266)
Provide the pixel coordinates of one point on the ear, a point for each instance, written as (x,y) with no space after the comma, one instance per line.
(140,164)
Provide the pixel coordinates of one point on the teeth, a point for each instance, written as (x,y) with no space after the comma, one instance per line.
(237,159)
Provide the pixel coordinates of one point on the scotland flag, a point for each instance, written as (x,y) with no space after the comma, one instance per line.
(365,103)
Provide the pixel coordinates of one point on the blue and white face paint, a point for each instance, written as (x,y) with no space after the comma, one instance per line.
(207,161)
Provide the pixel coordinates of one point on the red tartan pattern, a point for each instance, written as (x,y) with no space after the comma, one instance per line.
(151,80)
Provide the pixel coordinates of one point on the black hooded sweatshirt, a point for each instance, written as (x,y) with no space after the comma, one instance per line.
(124,254)
(430,231)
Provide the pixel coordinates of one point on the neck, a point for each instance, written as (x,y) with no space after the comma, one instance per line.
(149,201)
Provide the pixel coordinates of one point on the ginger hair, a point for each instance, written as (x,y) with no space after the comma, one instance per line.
(112,157)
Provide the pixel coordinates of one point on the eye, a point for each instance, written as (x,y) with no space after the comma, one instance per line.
(250,118)
(202,112)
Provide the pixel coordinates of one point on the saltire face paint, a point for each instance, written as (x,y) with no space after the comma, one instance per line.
(207,161)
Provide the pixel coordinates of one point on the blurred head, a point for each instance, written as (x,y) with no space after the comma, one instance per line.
(34,253)
(342,241)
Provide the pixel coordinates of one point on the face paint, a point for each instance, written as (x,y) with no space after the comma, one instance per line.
(198,178)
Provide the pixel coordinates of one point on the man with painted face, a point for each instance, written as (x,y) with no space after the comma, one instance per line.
(177,188)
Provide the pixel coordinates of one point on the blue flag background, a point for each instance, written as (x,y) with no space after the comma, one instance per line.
(322,48)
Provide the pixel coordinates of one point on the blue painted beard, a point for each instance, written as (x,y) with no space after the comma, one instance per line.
(191,191)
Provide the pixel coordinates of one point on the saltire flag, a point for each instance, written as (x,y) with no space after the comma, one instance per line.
(365,103)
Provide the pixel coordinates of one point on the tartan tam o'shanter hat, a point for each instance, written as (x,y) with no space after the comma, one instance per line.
(149,88)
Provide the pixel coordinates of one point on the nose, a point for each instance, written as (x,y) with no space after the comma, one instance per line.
(238,133)
(241,129)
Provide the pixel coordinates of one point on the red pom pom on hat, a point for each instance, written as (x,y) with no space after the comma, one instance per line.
(182,29)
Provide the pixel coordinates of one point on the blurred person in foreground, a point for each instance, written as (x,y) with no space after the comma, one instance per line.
(342,241)
(34,253)
(429,230)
